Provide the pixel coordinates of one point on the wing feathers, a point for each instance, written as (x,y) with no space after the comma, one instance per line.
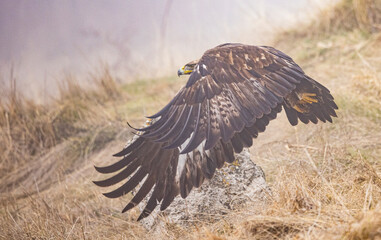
(209,166)
(192,143)
(129,185)
(116,166)
(171,186)
(176,127)
(276,87)
(291,115)
(129,148)
(143,191)
(184,134)
(164,127)
(237,143)
(246,138)
(120,176)
(229,152)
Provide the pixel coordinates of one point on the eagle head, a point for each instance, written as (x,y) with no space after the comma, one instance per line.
(187,68)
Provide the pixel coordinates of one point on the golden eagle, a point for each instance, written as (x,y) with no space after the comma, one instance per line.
(232,93)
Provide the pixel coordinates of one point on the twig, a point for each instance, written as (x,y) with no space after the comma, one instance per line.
(315,221)
(301,146)
(368,194)
(9,130)
(376,178)
(366,63)
(326,182)
(17,225)
(72,228)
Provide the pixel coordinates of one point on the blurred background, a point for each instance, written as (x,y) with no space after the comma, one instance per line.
(72,73)
(42,42)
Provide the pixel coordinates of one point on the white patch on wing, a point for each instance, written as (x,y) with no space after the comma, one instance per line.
(204,66)
(198,69)
(200,147)
(185,143)
(180,165)
(183,157)
(263,56)
(207,152)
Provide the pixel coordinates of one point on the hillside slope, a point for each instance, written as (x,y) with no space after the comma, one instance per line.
(325,178)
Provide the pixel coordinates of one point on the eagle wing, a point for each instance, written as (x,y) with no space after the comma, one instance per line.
(232,94)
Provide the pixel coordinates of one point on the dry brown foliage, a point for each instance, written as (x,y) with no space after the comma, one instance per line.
(345,16)
(325,178)
(28,131)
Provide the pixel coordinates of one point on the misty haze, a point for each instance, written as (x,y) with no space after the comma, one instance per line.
(46,40)
(117,123)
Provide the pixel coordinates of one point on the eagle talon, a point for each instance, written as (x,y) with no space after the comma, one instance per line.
(297,108)
(308,98)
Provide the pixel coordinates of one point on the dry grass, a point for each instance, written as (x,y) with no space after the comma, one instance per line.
(366,226)
(29,131)
(345,16)
(325,178)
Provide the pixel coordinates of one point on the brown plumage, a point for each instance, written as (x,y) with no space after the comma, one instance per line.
(232,93)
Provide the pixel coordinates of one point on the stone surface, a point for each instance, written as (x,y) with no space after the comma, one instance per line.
(231,187)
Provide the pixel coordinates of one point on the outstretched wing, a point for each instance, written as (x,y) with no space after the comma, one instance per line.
(231,87)
(233,93)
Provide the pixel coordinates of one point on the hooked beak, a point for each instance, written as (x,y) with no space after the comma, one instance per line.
(180,72)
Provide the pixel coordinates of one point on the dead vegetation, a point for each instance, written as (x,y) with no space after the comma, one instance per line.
(366,226)
(345,16)
(325,178)
(29,131)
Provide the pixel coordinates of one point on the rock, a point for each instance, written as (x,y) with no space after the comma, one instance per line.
(231,188)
